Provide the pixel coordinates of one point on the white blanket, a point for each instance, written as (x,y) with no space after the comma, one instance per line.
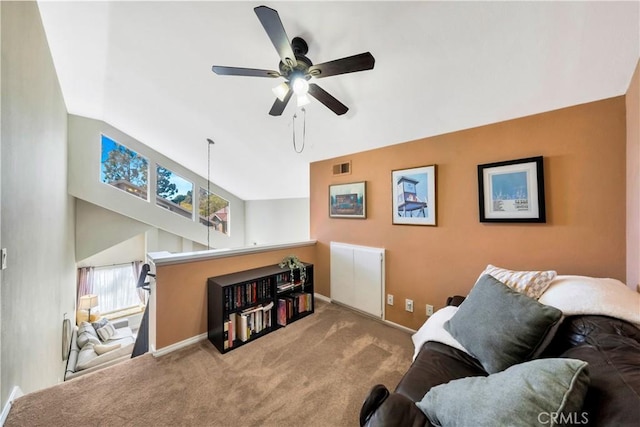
(433,330)
(589,295)
(572,295)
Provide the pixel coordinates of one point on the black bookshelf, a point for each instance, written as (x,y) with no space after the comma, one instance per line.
(245,306)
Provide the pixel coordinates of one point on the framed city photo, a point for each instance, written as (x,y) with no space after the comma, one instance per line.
(348,200)
(414,195)
(512,191)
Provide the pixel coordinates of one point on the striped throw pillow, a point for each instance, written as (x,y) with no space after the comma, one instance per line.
(106,332)
(530,283)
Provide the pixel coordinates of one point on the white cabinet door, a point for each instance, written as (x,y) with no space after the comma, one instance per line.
(357,277)
(367,285)
(342,274)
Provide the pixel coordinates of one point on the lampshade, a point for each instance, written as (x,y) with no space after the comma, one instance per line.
(88,302)
(303,100)
(281,90)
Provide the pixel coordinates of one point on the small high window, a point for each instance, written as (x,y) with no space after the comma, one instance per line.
(214,211)
(123,168)
(174,192)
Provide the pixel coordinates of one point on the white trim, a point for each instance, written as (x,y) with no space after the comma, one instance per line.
(177,346)
(166,258)
(321,297)
(404,328)
(15,393)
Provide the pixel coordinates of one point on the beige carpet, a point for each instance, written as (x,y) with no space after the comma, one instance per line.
(316,372)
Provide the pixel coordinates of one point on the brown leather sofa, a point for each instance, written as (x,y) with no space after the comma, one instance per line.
(610,346)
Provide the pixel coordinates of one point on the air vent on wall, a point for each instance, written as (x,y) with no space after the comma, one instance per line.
(342,168)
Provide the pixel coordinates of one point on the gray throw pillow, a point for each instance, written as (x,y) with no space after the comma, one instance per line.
(85,337)
(541,392)
(88,328)
(499,326)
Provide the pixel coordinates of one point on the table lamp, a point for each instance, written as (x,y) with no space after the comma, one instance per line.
(87,302)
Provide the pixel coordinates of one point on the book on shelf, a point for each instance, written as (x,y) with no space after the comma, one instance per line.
(292,305)
(252,321)
(245,294)
(282,312)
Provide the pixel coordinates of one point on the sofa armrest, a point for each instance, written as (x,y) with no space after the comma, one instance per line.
(120,323)
(376,396)
(397,410)
(455,300)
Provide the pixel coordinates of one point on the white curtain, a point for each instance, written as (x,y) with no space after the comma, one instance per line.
(115,287)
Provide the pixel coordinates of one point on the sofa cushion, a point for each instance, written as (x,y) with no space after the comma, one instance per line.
(86,327)
(436,364)
(530,283)
(85,357)
(612,349)
(499,326)
(105,348)
(528,394)
(106,330)
(85,337)
(91,358)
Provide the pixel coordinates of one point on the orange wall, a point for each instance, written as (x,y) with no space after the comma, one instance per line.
(633,180)
(181,290)
(584,161)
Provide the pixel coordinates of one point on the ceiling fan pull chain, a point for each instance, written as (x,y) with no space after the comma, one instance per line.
(304,130)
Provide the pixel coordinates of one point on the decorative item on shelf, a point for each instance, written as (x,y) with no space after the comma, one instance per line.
(87,302)
(292,263)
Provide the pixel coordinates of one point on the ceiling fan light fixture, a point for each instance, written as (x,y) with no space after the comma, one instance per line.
(281,90)
(303,100)
(300,86)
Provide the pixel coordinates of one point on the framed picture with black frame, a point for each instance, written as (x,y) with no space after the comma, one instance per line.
(512,191)
(348,200)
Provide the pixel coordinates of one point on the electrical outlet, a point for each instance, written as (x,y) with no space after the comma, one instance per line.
(389,299)
(408,305)
(429,310)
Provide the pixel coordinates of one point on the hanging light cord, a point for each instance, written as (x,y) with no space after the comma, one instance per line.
(209,144)
(304,130)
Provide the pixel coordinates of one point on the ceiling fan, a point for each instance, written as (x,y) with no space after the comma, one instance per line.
(297,69)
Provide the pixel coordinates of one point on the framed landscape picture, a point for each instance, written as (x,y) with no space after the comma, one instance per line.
(512,191)
(414,195)
(348,200)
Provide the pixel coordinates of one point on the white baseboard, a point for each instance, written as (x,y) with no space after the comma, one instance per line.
(404,328)
(178,345)
(15,393)
(321,297)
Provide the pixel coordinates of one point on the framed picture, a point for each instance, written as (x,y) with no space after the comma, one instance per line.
(414,195)
(348,200)
(512,191)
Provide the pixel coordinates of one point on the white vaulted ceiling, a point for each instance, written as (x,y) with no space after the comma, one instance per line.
(145,68)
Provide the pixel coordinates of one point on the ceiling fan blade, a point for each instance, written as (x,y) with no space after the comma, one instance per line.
(328,100)
(278,106)
(272,24)
(250,72)
(350,64)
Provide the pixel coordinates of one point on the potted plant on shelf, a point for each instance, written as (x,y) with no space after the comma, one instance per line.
(292,263)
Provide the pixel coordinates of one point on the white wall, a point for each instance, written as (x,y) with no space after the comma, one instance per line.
(128,251)
(276,221)
(98,229)
(37,214)
(84,183)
